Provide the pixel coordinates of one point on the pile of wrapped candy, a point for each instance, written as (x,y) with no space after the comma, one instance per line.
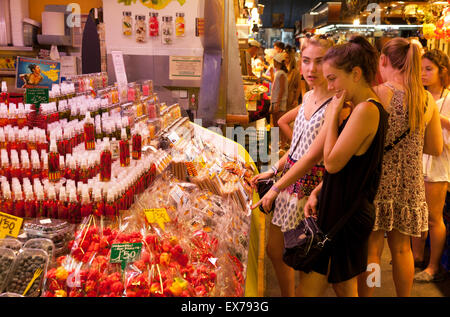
(198,250)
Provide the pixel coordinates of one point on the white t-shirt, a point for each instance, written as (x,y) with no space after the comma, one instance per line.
(276,89)
(437,168)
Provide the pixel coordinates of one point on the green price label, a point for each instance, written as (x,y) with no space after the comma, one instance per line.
(125,253)
(36,96)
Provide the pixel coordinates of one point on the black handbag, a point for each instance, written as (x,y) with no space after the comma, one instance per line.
(304,244)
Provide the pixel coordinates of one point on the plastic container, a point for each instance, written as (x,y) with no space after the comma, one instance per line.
(179,24)
(26,264)
(43,244)
(30,31)
(7,257)
(60,232)
(10,295)
(11,243)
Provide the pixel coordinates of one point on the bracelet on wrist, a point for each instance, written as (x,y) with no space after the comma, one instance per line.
(274,170)
(275,189)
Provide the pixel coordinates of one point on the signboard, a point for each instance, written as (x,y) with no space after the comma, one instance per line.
(37,73)
(9,225)
(157,215)
(36,96)
(185,67)
(121,74)
(125,253)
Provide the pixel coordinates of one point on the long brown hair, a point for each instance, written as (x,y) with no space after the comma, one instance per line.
(357,52)
(406,57)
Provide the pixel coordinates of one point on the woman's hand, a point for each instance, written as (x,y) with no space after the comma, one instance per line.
(267,201)
(337,103)
(310,209)
(261,176)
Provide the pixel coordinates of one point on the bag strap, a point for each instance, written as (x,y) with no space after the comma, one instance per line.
(321,106)
(390,146)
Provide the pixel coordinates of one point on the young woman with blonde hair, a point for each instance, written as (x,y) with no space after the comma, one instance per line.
(289,193)
(414,129)
(435,77)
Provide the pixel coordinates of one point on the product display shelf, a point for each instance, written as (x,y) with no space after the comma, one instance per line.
(254,286)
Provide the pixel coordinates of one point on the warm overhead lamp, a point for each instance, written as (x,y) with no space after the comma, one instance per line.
(356,22)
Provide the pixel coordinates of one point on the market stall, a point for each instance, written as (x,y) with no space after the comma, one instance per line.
(94,179)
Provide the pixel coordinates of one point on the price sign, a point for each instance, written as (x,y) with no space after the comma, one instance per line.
(9,225)
(173,137)
(125,253)
(36,96)
(157,215)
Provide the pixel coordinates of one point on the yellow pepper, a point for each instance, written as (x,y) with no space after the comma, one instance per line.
(60,293)
(61,273)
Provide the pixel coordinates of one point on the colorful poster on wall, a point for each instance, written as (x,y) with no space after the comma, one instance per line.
(37,73)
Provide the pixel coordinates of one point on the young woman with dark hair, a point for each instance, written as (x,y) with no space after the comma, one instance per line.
(353,155)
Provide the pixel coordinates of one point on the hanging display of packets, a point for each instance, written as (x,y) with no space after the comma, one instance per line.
(126,23)
(167,30)
(141,29)
(153,24)
(179,24)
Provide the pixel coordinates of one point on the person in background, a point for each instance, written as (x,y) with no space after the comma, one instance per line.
(269,53)
(279,91)
(294,90)
(278,47)
(400,204)
(250,53)
(435,77)
(289,193)
(353,154)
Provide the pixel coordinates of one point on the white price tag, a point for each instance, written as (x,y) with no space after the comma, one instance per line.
(178,195)
(173,137)
(45,221)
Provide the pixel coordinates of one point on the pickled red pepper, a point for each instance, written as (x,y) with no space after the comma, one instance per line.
(105,163)
(54,174)
(153,24)
(89,133)
(137,146)
(124,148)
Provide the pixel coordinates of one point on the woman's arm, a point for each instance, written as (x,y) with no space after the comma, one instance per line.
(433,141)
(285,121)
(310,209)
(445,122)
(362,124)
(282,82)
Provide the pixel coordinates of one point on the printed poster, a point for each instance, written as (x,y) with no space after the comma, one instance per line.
(37,73)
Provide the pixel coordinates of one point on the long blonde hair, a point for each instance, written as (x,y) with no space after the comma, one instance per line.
(406,57)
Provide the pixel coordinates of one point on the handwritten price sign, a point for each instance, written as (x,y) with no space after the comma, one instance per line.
(125,253)
(157,215)
(9,225)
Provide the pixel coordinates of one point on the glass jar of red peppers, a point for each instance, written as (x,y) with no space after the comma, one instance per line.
(153,25)
(124,149)
(89,132)
(137,145)
(105,163)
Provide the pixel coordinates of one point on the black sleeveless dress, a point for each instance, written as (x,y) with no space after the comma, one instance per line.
(360,176)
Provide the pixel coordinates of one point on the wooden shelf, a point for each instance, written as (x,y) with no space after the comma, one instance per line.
(17,48)
(7,73)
